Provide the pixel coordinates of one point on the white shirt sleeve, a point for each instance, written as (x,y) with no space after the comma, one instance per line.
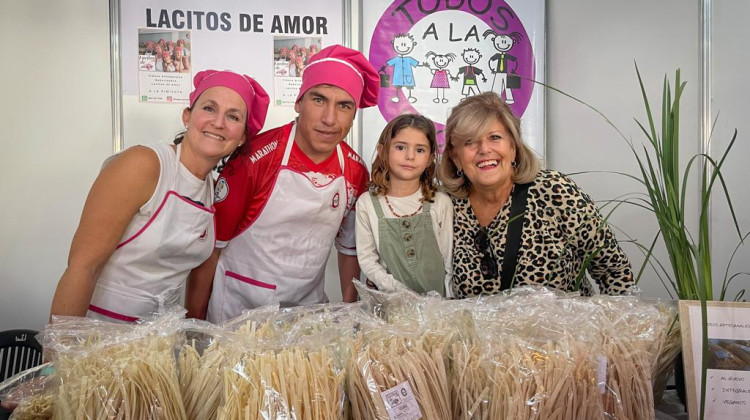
(442,223)
(345,242)
(367,245)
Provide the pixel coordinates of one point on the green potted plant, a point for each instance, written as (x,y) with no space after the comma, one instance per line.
(667,186)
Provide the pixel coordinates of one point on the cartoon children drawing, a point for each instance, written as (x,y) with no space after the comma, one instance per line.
(470,56)
(403,65)
(503,43)
(440,74)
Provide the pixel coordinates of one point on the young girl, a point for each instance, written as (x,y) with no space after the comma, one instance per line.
(404,226)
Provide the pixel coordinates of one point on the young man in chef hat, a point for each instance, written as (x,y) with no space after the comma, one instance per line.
(289,197)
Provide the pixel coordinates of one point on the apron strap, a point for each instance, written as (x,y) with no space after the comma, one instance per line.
(376,205)
(426,207)
(178,156)
(513,237)
(289,144)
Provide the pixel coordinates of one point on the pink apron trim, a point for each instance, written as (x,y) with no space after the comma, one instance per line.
(248,280)
(113,315)
(298,172)
(156,213)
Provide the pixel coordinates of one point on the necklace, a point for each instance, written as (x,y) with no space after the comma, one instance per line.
(390,207)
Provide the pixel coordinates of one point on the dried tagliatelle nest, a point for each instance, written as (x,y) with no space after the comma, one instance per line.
(110,371)
(38,407)
(287,364)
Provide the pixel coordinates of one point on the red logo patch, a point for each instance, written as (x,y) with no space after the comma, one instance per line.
(203,236)
(335,201)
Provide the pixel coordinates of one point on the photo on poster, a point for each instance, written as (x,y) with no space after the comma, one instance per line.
(164,65)
(724,354)
(290,56)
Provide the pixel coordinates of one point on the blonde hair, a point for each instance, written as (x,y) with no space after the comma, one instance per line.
(469,119)
(380,182)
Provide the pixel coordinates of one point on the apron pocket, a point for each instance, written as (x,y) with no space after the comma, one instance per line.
(116,304)
(243,292)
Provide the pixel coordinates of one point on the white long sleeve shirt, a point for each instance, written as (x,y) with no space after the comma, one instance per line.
(441,212)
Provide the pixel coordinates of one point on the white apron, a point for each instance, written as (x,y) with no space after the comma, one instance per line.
(147,271)
(281,257)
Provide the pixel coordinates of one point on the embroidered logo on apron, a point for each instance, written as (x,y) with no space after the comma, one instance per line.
(335,201)
(222,190)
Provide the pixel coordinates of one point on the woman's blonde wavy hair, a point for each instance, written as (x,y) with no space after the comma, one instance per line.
(469,119)
(381,178)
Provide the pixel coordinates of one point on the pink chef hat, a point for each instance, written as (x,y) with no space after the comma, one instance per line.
(345,68)
(255,97)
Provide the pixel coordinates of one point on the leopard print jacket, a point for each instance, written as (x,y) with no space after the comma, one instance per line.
(562,227)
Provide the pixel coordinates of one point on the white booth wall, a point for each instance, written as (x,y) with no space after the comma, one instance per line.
(56,121)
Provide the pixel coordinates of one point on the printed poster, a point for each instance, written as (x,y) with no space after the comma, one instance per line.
(164,70)
(430,56)
(728,362)
(245,37)
(290,57)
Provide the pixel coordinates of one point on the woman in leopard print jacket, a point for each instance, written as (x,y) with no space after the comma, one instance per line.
(484,162)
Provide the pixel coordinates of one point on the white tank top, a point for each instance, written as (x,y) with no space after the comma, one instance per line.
(169,236)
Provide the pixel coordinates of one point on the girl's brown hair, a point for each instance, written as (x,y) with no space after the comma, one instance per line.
(381,177)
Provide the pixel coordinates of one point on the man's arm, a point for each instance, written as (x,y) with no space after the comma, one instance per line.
(198,287)
(348,270)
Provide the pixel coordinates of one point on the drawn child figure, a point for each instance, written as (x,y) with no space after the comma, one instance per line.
(404,228)
(470,56)
(403,66)
(440,74)
(503,43)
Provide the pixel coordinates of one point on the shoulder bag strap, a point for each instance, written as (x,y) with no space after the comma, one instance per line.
(513,238)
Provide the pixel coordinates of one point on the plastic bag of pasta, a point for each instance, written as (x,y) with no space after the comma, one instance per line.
(399,372)
(539,359)
(115,371)
(651,324)
(30,394)
(401,305)
(202,356)
(288,366)
(292,323)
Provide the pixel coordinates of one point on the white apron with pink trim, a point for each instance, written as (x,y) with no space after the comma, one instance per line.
(281,257)
(147,271)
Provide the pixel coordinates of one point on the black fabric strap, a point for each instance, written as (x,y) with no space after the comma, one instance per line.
(513,237)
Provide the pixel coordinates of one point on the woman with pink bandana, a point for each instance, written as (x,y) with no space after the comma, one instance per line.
(181,63)
(168,63)
(149,217)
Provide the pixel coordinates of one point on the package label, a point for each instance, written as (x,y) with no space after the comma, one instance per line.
(401,403)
